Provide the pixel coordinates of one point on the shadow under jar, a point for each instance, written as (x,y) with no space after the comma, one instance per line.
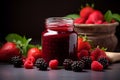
(102,35)
(59,40)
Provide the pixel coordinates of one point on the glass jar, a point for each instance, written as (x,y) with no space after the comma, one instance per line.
(59,40)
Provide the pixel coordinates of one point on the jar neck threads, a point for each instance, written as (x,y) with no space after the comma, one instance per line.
(59,23)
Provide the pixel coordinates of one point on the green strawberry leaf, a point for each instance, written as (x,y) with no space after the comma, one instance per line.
(116,17)
(108,16)
(73,16)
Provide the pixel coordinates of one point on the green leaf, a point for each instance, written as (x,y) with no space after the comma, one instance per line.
(13,37)
(108,16)
(73,16)
(25,46)
(116,17)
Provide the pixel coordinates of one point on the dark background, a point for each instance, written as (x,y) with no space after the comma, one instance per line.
(27,17)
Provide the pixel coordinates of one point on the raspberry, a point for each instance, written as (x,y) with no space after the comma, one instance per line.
(31,58)
(41,64)
(77,66)
(53,64)
(67,64)
(104,61)
(82,53)
(28,64)
(87,61)
(96,66)
(17,61)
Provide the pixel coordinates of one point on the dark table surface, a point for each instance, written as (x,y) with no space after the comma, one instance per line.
(8,72)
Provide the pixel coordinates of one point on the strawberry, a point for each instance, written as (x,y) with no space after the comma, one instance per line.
(82,53)
(53,64)
(79,20)
(35,52)
(86,11)
(97,52)
(8,50)
(28,64)
(99,22)
(96,66)
(89,22)
(83,43)
(95,17)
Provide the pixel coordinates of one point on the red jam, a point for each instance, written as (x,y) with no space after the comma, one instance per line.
(59,40)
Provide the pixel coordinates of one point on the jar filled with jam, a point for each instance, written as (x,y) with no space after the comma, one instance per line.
(59,40)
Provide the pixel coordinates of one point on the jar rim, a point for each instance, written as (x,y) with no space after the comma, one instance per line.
(59,23)
(59,20)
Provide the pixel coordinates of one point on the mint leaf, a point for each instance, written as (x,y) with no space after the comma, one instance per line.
(25,46)
(116,17)
(73,16)
(108,16)
(13,37)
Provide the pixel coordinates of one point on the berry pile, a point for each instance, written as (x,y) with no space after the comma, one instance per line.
(94,59)
(89,15)
(88,58)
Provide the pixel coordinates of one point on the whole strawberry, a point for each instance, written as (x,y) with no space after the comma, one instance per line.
(86,11)
(83,44)
(95,17)
(8,50)
(34,52)
(79,21)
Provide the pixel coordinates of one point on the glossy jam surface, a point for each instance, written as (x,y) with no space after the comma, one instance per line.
(59,43)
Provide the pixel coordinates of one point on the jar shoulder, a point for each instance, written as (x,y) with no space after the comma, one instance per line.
(50,32)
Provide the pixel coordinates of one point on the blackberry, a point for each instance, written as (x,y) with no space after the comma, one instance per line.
(77,66)
(41,64)
(87,62)
(17,61)
(67,64)
(104,61)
